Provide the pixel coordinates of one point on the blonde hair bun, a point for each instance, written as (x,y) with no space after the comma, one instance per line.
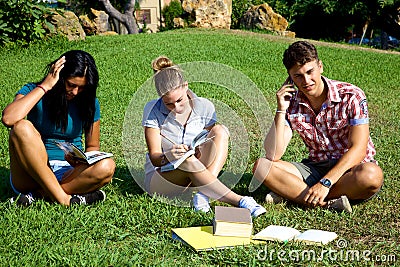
(167,75)
(160,63)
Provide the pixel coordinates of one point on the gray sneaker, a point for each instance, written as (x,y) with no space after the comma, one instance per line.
(339,204)
(273,198)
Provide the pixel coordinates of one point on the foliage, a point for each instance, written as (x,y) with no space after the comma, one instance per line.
(132,229)
(23,22)
(169,12)
(81,7)
(328,20)
(239,8)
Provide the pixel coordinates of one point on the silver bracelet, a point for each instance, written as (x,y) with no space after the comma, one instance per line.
(281,111)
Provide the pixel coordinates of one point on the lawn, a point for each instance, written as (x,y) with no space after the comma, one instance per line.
(240,73)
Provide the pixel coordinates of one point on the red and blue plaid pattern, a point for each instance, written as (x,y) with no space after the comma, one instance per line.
(326,134)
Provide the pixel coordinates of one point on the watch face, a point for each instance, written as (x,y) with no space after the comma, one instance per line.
(326,182)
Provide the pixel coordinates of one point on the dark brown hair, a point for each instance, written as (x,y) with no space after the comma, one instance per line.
(299,53)
(78,63)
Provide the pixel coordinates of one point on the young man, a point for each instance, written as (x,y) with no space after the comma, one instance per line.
(332,119)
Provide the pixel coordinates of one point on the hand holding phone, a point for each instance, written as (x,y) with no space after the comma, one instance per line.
(292,88)
(285,94)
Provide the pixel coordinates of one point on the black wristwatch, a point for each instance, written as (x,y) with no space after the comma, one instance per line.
(326,182)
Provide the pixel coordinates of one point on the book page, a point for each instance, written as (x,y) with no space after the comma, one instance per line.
(94,156)
(316,236)
(277,232)
(71,150)
(175,164)
(199,139)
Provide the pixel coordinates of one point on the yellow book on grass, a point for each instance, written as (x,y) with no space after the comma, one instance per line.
(201,238)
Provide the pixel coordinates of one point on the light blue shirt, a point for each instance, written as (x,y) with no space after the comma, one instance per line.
(156,115)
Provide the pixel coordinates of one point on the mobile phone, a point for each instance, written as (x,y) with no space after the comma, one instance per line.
(294,87)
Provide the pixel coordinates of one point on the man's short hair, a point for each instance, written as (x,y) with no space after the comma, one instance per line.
(299,53)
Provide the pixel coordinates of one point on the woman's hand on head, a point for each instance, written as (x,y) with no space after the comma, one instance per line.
(54,74)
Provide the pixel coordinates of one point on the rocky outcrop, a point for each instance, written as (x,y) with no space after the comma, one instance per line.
(209,13)
(67,24)
(264,18)
(87,25)
(95,23)
(179,23)
(100,21)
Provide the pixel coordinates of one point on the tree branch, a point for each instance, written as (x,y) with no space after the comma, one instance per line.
(128,18)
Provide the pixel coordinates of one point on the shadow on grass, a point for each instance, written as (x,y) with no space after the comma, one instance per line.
(5,189)
(125,182)
(242,188)
(259,194)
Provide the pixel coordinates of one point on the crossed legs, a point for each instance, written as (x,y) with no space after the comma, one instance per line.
(30,171)
(283,178)
(200,172)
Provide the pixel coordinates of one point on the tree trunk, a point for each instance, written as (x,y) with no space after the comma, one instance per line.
(364,31)
(127,18)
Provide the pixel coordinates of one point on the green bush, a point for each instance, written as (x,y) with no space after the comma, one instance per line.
(239,7)
(23,21)
(171,11)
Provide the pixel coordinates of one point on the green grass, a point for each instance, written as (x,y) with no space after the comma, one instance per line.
(130,228)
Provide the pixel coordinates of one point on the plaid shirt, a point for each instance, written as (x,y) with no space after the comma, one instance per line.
(326,134)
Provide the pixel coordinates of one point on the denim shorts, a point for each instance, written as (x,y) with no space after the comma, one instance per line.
(59,167)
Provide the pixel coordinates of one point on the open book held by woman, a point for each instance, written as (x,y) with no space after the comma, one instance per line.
(61,107)
(171,122)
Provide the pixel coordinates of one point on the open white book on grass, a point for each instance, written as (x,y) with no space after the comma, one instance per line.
(200,139)
(77,154)
(285,234)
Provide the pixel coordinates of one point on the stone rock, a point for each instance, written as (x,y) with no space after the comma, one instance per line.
(100,20)
(209,13)
(179,23)
(87,25)
(96,23)
(68,25)
(263,17)
(108,33)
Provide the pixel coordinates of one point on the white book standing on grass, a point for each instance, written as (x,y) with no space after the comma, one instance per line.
(286,234)
(77,154)
(200,139)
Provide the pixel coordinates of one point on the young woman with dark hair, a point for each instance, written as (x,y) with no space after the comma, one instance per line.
(61,107)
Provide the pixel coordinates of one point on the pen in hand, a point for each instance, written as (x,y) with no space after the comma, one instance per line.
(168,139)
